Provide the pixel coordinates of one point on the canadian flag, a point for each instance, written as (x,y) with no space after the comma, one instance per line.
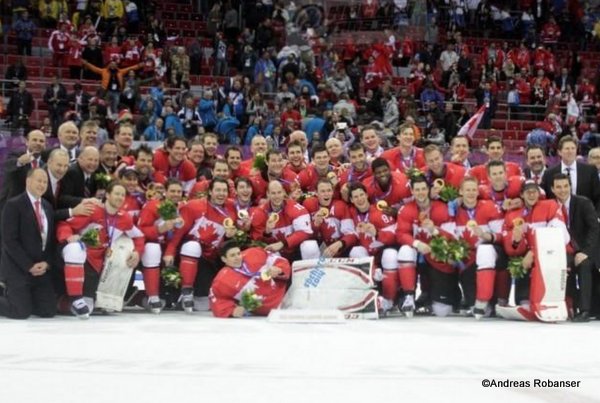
(469,128)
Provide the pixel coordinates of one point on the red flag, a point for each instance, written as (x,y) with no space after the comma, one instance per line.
(469,128)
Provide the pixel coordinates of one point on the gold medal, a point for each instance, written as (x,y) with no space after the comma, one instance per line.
(331,176)
(108,253)
(243,214)
(323,211)
(381,204)
(471,224)
(517,222)
(422,216)
(439,183)
(228,223)
(265,275)
(273,218)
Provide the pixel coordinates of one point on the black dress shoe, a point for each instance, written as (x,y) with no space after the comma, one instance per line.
(582,317)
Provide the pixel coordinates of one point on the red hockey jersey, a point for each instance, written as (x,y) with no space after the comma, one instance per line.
(336,226)
(398,162)
(397,194)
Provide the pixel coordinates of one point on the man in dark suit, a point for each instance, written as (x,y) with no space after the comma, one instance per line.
(535,159)
(79,182)
(565,81)
(582,251)
(17,165)
(584,177)
(68,138)
(28,252)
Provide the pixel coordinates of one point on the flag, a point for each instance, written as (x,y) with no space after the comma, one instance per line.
(469,128)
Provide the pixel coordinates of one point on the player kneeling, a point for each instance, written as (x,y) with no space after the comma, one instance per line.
(251,282)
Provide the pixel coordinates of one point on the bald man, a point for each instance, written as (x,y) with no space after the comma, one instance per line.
(79,182)
(257,146)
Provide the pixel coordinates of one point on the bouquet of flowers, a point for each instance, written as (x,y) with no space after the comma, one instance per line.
(458,250)
(102,180)
(250,301)
(167,210)
(259,162)
(439,249)
(91,237)
(515,267)
(448,193)
(171,277)
(413,172)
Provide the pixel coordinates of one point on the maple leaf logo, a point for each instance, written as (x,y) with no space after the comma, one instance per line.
(210,233)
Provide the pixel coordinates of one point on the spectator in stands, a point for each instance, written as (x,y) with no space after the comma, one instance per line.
(190,119)
(265,73)
(59,45)
(485,96)
(112,12)
(55,98)
(93,55)
(180,67)
(50,10)
(448,58)
(25,30)
(230,23)
(154,132)
(593,158)
(112,80)
(589,140)
(14,73)
(20,107)
(172,121)
(133,16)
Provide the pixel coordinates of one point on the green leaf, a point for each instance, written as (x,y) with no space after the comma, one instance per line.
(448,193)
(250,301)
(515,267)
(171,276)
(439,249)
(260,162)
(91,237)
(167,210)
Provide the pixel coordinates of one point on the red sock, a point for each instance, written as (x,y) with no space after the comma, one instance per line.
(389,285)
(408,278)
(502,284)
(74,276)
(485,284)
(188,267)
(151,281)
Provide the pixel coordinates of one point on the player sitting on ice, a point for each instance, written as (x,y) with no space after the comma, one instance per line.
(252,282)
(89,242)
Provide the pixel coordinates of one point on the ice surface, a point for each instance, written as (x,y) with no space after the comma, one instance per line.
(139,357)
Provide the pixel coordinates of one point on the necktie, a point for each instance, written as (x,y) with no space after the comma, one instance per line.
(56,193)
(536,178)
(86,187)
(38,215)
(34,163)
(565,214)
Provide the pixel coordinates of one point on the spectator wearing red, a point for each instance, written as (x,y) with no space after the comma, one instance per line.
(550,33)
(521,57)
(112,52)
(59,45)
(131,52)
(76,46)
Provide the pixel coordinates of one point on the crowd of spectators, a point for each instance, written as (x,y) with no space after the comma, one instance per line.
(282,65)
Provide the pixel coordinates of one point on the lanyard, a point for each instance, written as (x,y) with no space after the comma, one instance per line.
(109,225)
(410,159)
(243,270)
(176,170)
(219,210)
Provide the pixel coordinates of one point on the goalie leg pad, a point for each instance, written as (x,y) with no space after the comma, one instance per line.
(74,253)
(407,254)
(152,254)
(309,250)
(358,251)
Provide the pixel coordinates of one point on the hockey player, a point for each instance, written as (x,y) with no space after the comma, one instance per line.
(136,197)
(494,148)
(437,169)
(386,188)
(417,223)
(284,225)
(171,163)
(371,142)
(331,223)
(220,170)
(158,231)
(320,168)
(258,146)
(275,170)
(406,156)
(504,191)
(519,226)
(374,235)
(207,224)
(295,157)
(251,273)
(111,222)
(479,223)
(359,169)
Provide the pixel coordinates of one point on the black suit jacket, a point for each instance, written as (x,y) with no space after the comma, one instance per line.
(584,227)
(22,241)
(59,214)
(588,184)
(14,178)
(73,187)
(46,154)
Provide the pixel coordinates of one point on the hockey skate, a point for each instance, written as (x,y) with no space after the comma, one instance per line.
(80,309)
(155,305)
(481,310)
(408,306)
(187,299)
